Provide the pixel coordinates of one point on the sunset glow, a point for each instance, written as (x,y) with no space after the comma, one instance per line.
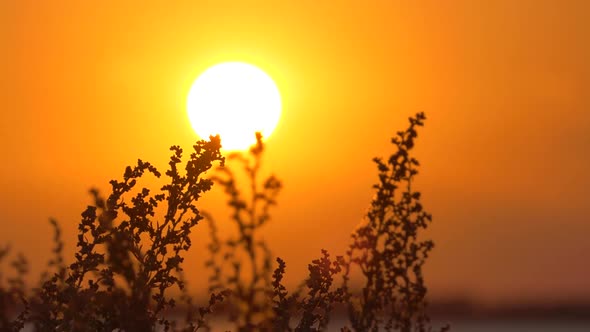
(234,100)
(89,87)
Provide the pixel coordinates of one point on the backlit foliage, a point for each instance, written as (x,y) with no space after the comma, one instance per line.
(12,294)
(131,247)
(387,248)
(127,256)
(242,263)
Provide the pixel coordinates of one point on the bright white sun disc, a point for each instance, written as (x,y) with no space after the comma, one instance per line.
(234,100)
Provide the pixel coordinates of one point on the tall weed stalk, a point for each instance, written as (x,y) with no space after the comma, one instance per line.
(387,247)
(242,263)
(128,257)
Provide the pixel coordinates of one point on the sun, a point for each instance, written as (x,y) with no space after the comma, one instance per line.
(234,100)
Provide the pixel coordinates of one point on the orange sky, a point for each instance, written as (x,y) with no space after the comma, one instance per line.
(88,87)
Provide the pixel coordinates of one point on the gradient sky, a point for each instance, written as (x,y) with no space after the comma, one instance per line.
(87,87)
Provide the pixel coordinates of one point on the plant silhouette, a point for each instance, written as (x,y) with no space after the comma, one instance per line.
(387,249)
(131,244)
(243,263)
(13,294)
(127,258)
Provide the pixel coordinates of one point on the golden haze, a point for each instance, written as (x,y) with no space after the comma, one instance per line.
(88,88)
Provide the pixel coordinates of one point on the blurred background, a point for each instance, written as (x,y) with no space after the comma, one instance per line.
(86,88)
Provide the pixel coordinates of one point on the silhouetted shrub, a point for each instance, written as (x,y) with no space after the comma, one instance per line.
(387,249)
(131,244)
(310,306)
(12,296)
(242,263)
(127,257)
